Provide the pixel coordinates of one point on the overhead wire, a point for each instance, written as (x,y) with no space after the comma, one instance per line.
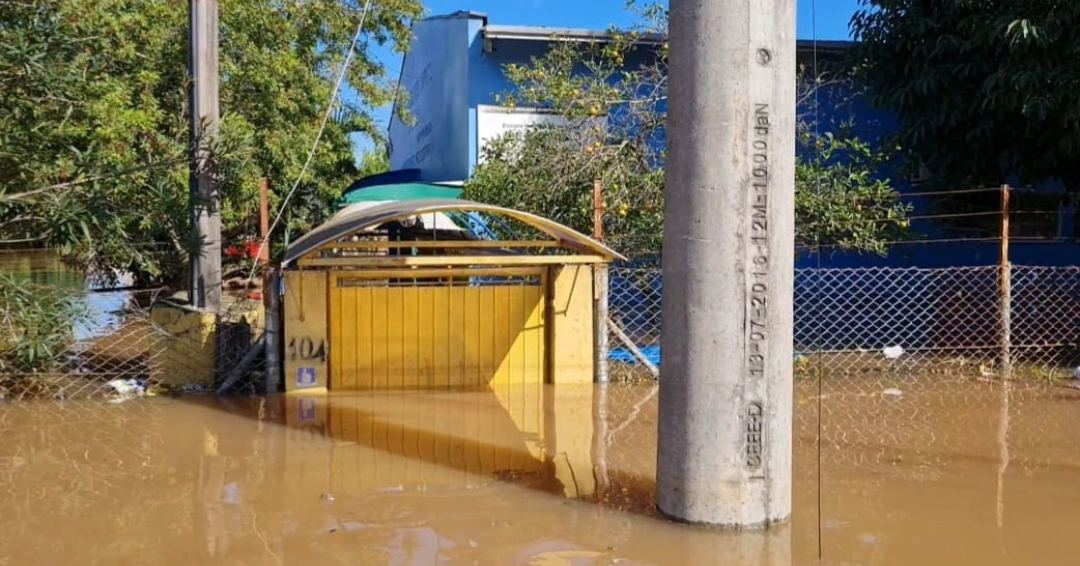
(820,368)
(318,136)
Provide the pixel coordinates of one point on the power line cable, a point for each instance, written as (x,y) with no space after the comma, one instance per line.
(318,136)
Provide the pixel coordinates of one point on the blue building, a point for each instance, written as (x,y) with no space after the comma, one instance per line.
(452,75)
(454,71)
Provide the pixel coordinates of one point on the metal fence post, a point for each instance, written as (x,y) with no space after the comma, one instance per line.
(600,293)
(272,294)
(1005,289)
(600,323)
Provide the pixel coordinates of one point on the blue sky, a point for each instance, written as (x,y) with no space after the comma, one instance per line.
(832,18)
(832,15)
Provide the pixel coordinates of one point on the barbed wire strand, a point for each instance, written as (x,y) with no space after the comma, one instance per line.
(969,214)
(1025,190)
(978,240)
(932,217)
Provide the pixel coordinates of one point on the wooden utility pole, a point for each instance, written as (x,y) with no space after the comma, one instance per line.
(598,209)
(264,222)
(724,444)
(205,291)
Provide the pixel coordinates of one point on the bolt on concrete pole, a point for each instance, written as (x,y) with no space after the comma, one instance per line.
(724,450)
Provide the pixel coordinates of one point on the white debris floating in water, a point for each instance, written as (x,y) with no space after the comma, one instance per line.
(892,352)
(128,387)
(1076,373)
(892,392)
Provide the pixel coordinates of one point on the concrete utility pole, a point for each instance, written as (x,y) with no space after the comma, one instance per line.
(724,453)
(205,290)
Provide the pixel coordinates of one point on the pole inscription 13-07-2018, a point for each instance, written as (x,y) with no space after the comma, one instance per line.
(758,280)
(758,244)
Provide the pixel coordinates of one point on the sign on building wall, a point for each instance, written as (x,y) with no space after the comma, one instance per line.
(493,122)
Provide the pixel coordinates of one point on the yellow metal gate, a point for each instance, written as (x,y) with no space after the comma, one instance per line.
(482,328)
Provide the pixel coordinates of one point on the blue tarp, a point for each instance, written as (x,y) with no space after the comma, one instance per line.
(651,353)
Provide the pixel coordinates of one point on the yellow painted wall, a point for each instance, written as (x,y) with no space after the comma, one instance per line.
(306,349)
(187,352)
(572,317)
(175,346)
(571,437)
(525,405)
(411,439)
(410,337)
(537,435)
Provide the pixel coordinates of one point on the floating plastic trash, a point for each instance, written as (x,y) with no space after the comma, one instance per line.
(128,387)
(892,352)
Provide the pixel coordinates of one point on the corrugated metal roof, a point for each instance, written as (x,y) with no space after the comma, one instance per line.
(539,33)
(431,220)
(369,215)
(562,34)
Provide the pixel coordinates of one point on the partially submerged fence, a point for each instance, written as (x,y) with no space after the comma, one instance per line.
(950,321)
(956,322)
(66,343)
(853,321)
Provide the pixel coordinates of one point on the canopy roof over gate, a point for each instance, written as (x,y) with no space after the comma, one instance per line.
(369,216)
(431,220)
(400,191)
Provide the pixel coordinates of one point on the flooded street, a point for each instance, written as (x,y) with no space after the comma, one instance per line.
(940,474)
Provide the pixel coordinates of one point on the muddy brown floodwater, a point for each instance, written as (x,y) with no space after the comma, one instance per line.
(941,474)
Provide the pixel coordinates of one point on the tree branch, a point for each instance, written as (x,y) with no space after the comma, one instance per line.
(92,179)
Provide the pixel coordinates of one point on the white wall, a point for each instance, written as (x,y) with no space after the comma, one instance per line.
(495,121)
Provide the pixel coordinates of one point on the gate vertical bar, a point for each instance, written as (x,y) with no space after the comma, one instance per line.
(548,358)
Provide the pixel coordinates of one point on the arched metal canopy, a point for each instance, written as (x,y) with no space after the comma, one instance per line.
(355,219)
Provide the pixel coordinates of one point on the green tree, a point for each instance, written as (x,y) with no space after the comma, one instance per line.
(608,105)
(37,324)
(94,140)
(374,161)
(982,90)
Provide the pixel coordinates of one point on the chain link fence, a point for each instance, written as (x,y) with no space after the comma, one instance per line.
(912,322)
(66,342)
(900,369)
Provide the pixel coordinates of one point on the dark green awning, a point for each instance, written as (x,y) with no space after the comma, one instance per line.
(399,191)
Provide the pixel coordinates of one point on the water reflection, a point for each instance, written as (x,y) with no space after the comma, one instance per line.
(44,268)
(518,476)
